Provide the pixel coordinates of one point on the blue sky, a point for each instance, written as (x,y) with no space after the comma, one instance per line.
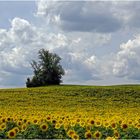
(98,41)
(11,9)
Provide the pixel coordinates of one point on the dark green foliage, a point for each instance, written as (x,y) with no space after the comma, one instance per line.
(47,71)
(2,135)
(31,132)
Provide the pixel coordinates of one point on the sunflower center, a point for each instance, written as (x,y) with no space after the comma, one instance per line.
(97,134)
(12,134)
(44,127)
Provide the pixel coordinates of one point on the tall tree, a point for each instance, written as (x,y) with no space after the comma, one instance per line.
(47,71)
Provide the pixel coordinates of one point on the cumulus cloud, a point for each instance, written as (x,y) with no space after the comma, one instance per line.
(15,44)
(80,16)
(76,31)
(79,65)
(127,63)
(90,16)
(127,12)
(20,44)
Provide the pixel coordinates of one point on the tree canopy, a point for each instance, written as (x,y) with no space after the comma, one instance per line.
(47,71)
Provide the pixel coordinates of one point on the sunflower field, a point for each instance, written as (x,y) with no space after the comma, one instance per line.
(70,112)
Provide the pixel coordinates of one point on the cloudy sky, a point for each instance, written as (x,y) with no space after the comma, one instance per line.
(98,41)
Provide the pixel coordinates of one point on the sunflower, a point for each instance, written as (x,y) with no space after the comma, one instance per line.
(25,120)
(88,135)
(16,129)
(97,135)
(54,121)
(20,119)
(138,126)
(124,126)
(60,121)
(44,127)
(28,122)
(120,121)
(113,125)
(35,121)
(48,118)
(77,120)
(91,122)
(11,134)
(72,123)
(75,137)
(57,125)
(82,124)
(2,126)
(130,122)
(19,123)
(116,134)
(3,120)
(23,127)
(9,119)
(71,133)
(98,123)
(106,124)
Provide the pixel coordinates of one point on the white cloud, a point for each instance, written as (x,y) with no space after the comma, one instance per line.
(20,44)
(90,16)
(127,63)
(80,16)
(49,9)
(76,31)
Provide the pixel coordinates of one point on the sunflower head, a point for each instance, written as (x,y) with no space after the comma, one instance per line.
(3,126)
(82,124)
(116,134)
(60,121)
(25,120)
(75,137)
(35,121)
(138,126)
(120,121)
(97,135)
(130,122)
(124,126)
(44,127)
(16,129)
(72,123)
(23,127)
(91,122)
(71,133)
(113,125)
(106,124)
(11,134)
(57,125)
(9,119)
(98,123)
(3,120)
(48,118)
(19,123)
(88,135)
